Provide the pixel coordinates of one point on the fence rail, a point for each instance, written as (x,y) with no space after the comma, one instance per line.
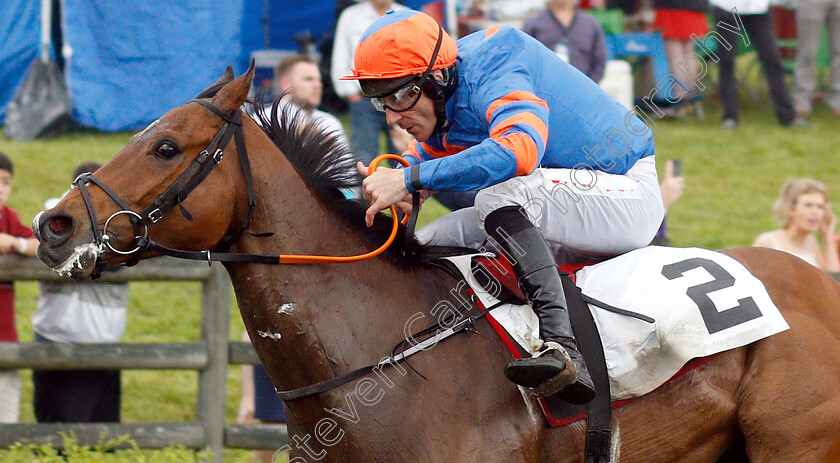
(211,357)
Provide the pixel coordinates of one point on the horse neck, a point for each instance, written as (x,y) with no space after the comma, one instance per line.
(313,322)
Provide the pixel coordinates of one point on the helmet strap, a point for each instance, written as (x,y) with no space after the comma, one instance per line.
(428,71)
(440,93)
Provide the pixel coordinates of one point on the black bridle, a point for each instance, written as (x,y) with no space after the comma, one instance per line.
(173,196)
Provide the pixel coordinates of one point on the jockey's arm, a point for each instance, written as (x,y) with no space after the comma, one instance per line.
(516,137)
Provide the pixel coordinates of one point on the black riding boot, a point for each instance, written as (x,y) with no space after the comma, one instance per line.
(558,366)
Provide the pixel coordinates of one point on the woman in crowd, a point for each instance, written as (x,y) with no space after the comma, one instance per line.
(679,20)
(803,209)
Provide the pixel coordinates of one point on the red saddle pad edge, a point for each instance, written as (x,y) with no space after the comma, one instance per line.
(502,270)
(517,352)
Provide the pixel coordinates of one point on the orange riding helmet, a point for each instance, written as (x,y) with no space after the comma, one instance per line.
(398,47)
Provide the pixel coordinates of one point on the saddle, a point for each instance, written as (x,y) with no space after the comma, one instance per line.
(641,320)
(495,275)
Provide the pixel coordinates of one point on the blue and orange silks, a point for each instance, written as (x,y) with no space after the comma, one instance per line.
(518,107)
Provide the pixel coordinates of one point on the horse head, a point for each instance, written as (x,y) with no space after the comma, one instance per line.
(167,186)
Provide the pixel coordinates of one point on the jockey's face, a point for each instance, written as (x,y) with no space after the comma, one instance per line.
(419,121)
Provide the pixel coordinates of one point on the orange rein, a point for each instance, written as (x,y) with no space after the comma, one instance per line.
(302,259)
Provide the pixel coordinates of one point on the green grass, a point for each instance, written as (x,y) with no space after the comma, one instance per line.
(119,449)
(732,178)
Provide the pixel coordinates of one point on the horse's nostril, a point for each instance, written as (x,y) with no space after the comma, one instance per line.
(56,228)
(59,224)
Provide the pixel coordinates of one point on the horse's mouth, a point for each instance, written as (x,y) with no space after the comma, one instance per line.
(78,266)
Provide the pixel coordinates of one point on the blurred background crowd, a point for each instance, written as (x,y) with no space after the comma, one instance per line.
(745,93)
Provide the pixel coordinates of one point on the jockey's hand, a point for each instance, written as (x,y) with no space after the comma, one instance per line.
(384,188)
(405,205)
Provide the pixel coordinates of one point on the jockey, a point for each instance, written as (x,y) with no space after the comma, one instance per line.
(560,165)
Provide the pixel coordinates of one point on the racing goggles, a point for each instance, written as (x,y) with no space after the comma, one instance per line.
(403,99)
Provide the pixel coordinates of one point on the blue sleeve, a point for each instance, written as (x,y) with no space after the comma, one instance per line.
(516,134)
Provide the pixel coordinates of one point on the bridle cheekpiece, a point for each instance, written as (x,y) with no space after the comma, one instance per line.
(173,196)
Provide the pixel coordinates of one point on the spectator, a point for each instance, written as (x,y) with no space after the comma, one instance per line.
(573,35)
(812,16)
(400,138)
(628,7)
(260,404)
(757,25)
(298,79)
(672,188)
(15,237)
(89,312)
(679,20)
(366,123)
(802,209)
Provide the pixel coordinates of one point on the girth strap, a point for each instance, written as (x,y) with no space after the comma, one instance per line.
(599,416)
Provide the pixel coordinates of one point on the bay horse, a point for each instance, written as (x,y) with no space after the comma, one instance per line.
(776,400)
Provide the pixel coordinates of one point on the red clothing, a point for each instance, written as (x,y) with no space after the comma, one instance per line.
(10,223)
(681,24)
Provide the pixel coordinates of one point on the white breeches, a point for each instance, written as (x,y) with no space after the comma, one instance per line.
(584,215)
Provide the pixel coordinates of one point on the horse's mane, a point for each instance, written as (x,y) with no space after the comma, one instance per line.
(327,165)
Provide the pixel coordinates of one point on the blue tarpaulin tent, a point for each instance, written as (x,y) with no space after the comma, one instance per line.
(20,30)
(133,60)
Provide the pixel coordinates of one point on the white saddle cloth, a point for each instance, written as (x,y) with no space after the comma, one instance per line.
(703,303)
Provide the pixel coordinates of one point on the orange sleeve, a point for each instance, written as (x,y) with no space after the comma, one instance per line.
(521,144)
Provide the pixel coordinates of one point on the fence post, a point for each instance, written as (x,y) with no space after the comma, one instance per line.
(212,380)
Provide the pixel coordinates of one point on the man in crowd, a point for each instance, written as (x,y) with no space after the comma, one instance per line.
(574,35)
(366,124)
(298,79)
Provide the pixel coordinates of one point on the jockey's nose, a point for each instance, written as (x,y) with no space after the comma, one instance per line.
(392,117)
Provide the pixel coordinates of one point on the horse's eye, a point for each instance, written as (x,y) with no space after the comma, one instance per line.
(166,151)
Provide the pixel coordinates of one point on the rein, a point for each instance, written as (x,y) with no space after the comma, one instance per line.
(200,168)
(434,334)
(190,179)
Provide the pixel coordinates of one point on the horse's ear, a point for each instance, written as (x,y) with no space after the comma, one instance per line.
(233,94)
(224,80)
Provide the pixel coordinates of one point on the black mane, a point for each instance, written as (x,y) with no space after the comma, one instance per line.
(328,167)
